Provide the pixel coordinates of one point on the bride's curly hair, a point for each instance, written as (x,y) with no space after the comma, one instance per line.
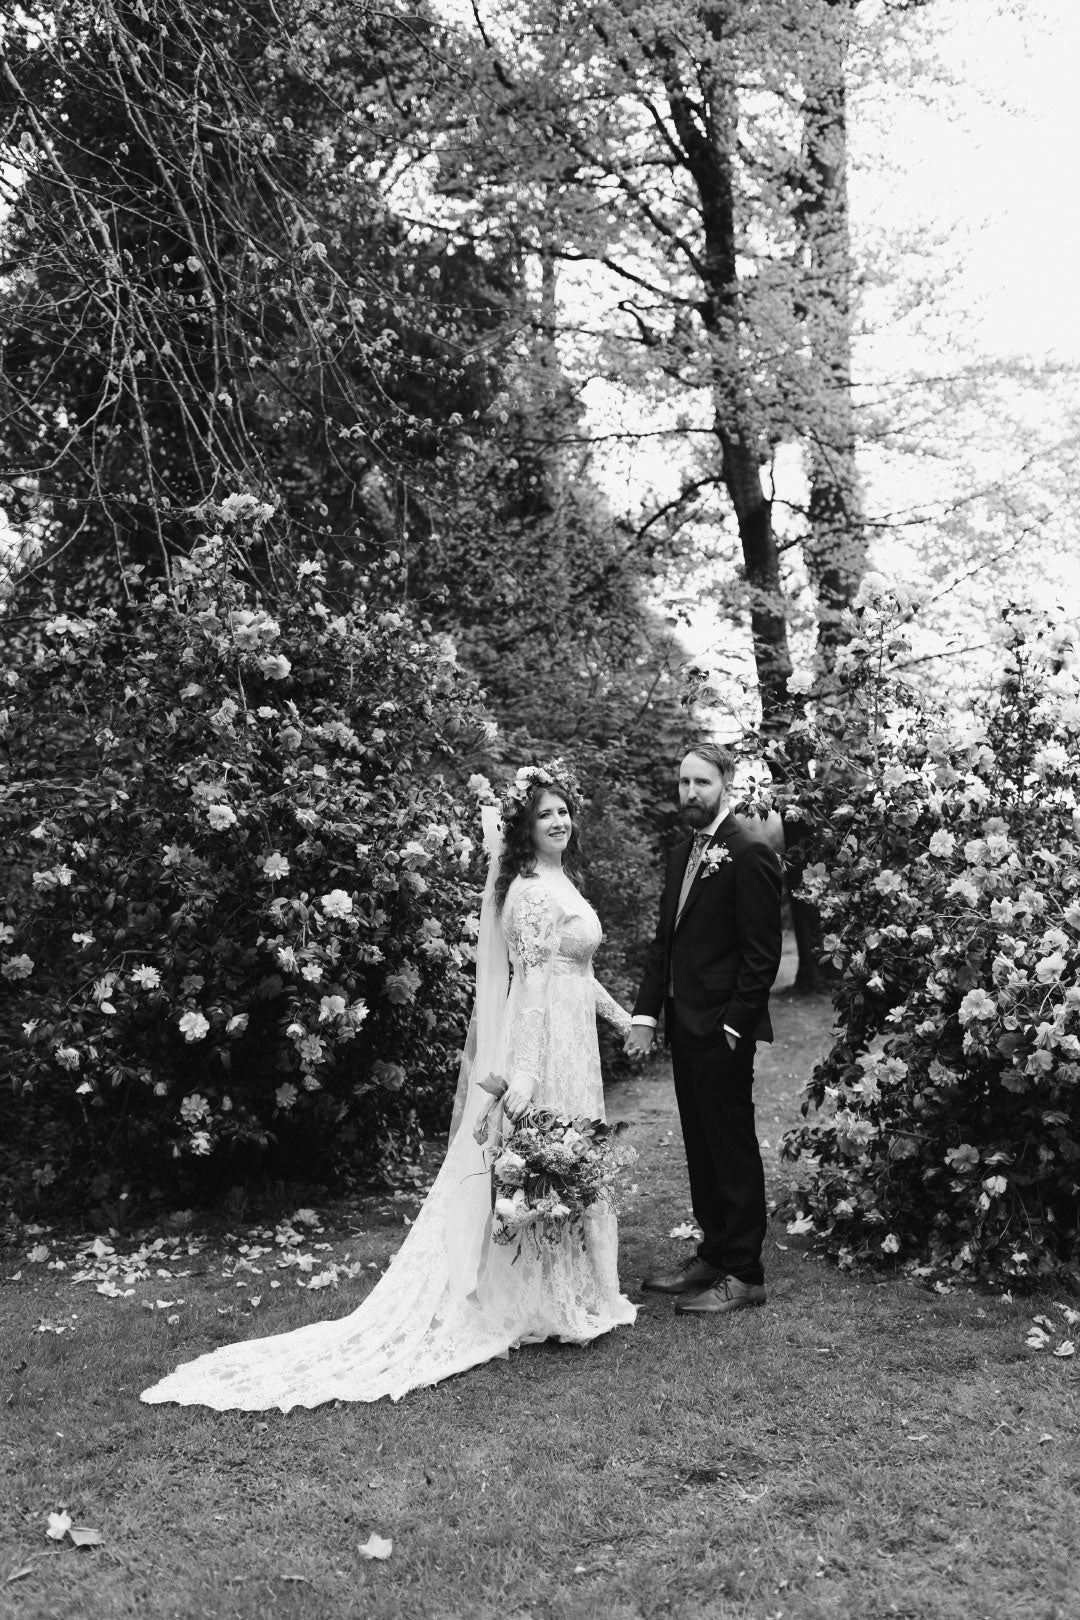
(517,811)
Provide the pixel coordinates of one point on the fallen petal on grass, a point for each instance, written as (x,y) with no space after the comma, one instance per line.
(83,1536)
(58,1526)
(376,1547)
(1065,1349)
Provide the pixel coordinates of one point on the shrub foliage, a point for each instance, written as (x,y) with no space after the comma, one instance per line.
(236,935)
(944,854)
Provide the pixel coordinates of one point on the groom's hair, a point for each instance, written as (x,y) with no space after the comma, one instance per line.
(714,753)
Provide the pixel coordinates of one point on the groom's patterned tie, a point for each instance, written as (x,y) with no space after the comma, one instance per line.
(697,850)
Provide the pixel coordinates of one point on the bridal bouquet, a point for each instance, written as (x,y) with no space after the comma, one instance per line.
(548,1171)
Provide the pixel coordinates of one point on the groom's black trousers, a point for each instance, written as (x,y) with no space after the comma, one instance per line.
(714,1087)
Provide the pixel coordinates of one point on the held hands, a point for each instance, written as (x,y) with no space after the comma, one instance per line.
(638,1040)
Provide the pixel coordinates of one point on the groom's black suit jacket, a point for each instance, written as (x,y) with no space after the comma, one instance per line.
(721,956)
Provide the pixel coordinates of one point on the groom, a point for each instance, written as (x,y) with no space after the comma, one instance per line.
(710,967)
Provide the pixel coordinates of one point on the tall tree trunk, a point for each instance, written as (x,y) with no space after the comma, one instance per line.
(835,548)
(741,473)
(707,133)
(836,545)
(550,378)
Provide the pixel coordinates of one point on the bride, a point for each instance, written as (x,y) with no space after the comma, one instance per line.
(451,1297)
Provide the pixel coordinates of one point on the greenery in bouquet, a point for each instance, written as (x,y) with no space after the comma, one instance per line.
(943,850)
(548,1171)
(235,939)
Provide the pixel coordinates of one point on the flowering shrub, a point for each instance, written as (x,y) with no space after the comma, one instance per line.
(944,852)
(238,940)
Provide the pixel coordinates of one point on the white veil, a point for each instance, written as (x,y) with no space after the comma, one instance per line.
(421,1322)
(486,1038)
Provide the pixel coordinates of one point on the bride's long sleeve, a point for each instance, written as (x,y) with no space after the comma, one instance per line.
(533,937)
(607,1007)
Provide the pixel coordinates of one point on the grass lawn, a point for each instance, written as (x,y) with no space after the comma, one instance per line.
(860,1448)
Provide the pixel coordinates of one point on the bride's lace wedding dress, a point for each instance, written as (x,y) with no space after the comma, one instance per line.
(451,1298)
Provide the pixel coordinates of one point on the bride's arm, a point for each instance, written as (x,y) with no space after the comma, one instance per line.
(607,1007)
(533,936)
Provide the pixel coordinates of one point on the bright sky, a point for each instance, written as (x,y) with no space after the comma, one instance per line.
(995,156)
(986,164)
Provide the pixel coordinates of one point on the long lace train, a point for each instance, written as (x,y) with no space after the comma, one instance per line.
(451,1298)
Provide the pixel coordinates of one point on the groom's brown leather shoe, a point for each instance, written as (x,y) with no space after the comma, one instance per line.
(692,1274)
(729,1294)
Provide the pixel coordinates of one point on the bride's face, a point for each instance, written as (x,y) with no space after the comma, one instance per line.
(551,826)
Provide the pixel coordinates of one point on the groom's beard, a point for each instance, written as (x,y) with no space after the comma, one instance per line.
(699,815)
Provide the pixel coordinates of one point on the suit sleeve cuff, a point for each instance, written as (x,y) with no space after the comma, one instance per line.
(643,1018)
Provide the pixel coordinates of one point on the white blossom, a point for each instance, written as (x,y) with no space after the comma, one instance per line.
(1052,757)
(1050,969)
(220,817)
(275,666)
(336,904)
(977,1004)
(888,881)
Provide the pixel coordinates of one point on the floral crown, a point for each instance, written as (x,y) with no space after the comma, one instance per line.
(554,774)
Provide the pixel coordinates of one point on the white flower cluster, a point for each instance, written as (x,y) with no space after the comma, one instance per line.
(553,773)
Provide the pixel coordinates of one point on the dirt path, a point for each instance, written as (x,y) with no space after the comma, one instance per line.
(802,1027)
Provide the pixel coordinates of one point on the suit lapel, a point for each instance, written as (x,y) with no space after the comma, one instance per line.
(728,826)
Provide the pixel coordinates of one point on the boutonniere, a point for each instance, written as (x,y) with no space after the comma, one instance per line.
(714,858)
